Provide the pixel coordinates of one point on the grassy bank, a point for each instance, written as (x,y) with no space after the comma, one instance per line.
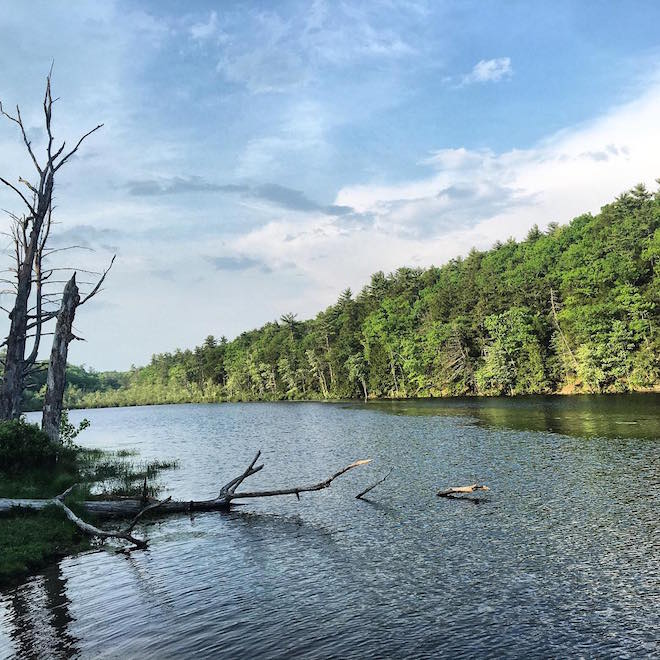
(31,466)
(29,540)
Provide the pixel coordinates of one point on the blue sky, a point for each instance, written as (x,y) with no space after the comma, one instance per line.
(259,157)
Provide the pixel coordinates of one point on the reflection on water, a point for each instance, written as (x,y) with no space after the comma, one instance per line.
(38,617)
(559,559)
(588,416)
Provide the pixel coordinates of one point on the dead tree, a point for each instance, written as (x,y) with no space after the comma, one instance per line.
(138,507)
(56,379)
(63,336)
(31,232)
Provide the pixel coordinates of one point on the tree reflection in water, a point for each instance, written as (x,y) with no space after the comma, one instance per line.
(39,615)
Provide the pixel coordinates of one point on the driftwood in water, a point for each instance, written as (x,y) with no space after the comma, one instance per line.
(359,496)
(137,507)
(461,490)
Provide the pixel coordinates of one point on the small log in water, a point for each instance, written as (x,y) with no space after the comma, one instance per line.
(461,490)
(138,507)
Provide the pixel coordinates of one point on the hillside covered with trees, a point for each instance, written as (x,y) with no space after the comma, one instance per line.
(574,308)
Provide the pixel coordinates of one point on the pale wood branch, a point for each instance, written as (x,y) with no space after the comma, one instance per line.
(301,489)
(461,490)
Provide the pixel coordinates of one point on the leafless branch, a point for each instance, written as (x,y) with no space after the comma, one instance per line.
(69,247)
(300,489)
(360,495)
(19,193)
(96,289)
(19,121)
(73,151)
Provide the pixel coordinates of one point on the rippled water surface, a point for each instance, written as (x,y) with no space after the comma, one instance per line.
(560,559)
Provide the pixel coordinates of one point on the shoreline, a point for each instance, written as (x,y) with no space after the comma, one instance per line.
(481,397)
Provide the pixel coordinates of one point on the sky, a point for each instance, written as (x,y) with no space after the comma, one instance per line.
(257,158)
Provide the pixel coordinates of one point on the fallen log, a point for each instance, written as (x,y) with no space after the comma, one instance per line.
(461,490)
(138,507)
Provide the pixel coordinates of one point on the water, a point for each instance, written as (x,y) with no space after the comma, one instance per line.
(560,559)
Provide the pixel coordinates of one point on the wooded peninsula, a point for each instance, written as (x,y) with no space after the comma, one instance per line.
(574,308)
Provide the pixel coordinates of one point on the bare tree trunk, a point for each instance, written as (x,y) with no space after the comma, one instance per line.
(553,305)
(327,353)
(322,382)
(393,369)
(28,249)
(56,380)
(11,388)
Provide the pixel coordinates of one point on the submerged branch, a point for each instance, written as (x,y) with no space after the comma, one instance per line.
(359,496)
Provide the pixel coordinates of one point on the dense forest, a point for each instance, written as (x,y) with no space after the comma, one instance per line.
(572,309)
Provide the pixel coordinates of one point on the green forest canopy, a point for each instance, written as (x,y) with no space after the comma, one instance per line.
(574,308)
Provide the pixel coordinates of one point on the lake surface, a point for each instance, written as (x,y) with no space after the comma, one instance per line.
(560,558)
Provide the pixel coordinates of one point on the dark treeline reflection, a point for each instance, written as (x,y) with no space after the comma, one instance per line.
(38,616)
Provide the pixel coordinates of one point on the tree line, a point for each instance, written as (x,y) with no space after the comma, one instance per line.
(570,309)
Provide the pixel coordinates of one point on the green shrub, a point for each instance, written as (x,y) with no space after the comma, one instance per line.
(25,446)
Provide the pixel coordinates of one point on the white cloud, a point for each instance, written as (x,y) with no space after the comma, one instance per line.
(205,29)
(471,198)
(489,71)
(270,52)
(301,137)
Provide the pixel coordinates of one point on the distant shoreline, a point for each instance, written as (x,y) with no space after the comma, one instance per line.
(513,397)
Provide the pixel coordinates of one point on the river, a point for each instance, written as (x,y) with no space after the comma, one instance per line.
(559,559)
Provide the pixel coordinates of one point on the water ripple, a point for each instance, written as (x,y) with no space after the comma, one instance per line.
(559,560)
